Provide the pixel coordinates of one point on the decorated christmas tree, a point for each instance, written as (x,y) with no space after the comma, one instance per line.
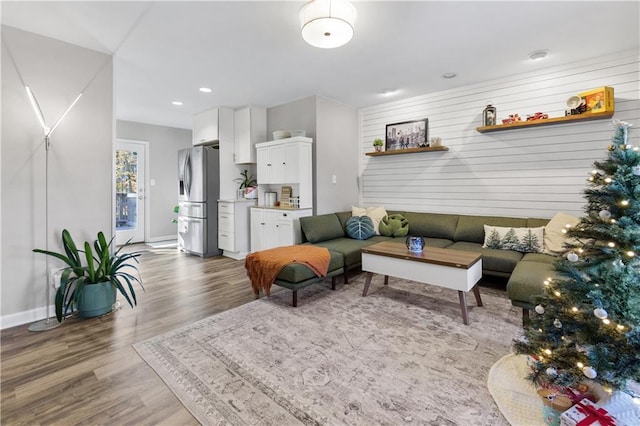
(587,323)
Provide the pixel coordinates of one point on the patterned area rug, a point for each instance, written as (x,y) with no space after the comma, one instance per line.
(400,356)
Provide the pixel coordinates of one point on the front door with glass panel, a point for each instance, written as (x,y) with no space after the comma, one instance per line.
(129,203)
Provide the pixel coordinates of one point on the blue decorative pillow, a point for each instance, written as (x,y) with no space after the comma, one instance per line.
(360,227)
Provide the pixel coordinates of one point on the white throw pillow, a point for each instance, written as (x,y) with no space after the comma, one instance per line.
(376,214)
(554,239)
(525,240)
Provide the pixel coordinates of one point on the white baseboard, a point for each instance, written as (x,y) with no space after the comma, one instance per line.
(165,238)
(24,317)
(234,255)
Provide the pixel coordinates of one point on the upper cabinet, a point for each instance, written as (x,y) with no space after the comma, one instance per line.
(250,127)
(212,126)
(286,162)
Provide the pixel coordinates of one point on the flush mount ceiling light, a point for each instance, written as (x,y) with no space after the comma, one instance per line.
(205,90)
(389,92)
(449,75)
(327,23)
(538,55)
(177,103)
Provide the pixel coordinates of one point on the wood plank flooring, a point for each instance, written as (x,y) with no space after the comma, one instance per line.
(86,372)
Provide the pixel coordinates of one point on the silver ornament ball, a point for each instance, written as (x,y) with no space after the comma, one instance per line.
(572,257)
(590,372)
(605,214)
(539,309)
(600,313)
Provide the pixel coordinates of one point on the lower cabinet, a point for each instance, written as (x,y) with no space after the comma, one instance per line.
(233,228)
(275,227)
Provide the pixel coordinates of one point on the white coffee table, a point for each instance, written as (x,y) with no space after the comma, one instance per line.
(457,270)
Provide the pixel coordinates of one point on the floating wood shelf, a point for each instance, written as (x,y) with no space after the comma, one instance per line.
(408,151)
(555,120)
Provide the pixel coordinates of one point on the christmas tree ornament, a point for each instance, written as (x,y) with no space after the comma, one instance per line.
(624,203)
(572,257)
(608,180)
(539,309)
(552,372)
(611,148)
(635,169)
(590,372)
(600,313)
(611,244)
(630,253)
(557,323)
(605,214)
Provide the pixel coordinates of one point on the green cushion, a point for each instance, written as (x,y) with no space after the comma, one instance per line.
(532,222)
(437,242)
(526,281)
(350,248)
(471,228)
(299,272)
(539,257)
(492,259)
(432,225)
(343,217)
(321,228)
(394,225)
(360,228)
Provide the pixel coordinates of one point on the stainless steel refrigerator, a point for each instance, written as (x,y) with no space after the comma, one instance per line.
(199,183)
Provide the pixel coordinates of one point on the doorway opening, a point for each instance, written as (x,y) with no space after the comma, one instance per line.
(130,197)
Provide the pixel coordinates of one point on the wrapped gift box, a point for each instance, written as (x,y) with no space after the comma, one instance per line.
(586,413)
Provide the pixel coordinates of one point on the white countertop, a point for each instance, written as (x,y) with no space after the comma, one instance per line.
(242,200)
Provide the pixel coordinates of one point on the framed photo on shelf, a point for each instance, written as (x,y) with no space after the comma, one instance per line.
(408,134)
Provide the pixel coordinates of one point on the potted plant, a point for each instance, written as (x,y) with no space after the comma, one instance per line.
(378,144)
(91,288)
(247,184)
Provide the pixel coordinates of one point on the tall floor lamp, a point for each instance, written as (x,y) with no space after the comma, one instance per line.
(49,322)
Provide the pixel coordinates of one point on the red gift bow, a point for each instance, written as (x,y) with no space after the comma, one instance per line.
(594,415)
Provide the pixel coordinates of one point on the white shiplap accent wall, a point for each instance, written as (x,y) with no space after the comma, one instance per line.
(532,172)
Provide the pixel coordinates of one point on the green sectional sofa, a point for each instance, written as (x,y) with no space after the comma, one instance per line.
(525,271)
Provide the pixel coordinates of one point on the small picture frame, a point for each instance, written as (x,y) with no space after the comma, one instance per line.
(407,134)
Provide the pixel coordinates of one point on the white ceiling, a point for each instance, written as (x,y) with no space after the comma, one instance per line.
(252,52)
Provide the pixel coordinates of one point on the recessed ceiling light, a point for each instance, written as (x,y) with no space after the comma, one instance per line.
(538,55)
(177,103)
(449,75)
(389,92)
(205,90)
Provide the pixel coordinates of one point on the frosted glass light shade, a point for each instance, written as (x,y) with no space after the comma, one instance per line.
(327,23)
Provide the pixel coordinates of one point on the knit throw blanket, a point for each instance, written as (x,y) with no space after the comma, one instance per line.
(264,266)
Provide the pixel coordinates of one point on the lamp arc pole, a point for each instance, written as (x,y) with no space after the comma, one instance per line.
(49,322)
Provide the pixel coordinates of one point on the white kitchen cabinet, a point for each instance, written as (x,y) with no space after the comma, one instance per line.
(284,161)
(275,227)
(212,125)
(250,127)
(233,227)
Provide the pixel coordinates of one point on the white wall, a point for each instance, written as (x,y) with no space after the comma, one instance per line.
(336,154)
(532,172)
(334,129)
(80,161)
(164,143)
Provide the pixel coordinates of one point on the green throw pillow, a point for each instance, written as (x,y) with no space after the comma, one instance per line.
(394,225)
(360,228)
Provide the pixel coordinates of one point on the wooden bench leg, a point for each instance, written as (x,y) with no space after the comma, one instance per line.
(346,277)
(333,283)
(386,280)
(294,301)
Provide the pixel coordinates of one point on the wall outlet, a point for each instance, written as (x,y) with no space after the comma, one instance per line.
(55,274)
